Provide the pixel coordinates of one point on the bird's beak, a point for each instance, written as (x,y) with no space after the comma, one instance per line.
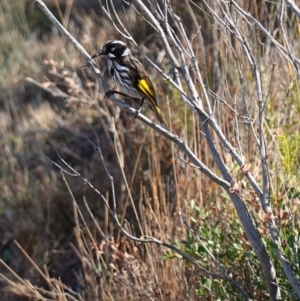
(101,52)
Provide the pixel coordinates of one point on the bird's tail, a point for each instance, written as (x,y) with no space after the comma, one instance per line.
(159,116)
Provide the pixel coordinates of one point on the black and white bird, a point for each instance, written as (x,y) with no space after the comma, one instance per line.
(130,75)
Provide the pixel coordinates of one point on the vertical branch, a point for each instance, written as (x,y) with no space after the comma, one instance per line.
(201,42)
(264,167)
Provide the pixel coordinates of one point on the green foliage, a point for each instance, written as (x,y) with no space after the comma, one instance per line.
(289,145)
(221,237)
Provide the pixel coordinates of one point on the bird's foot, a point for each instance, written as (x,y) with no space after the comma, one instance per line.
(137,112)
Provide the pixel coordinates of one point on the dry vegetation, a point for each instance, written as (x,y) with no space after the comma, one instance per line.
(58,241)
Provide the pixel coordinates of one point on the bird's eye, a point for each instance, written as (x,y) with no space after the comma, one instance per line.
(112,49)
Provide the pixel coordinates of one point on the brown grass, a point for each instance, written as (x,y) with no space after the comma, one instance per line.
(52,248)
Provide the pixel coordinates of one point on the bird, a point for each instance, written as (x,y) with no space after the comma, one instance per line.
(130,75)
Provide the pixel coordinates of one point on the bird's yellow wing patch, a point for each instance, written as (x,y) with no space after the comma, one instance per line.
(146,89)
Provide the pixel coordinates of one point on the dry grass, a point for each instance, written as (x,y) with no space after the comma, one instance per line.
(61,251)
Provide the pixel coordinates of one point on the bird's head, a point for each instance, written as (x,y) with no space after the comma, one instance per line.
(113,49)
